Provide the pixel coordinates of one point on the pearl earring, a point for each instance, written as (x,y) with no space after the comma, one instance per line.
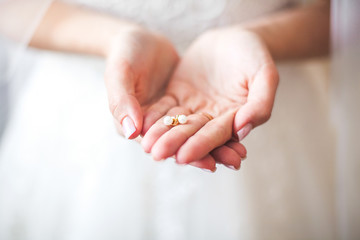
(178,119)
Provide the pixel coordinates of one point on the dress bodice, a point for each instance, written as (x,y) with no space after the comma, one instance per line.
(183,20)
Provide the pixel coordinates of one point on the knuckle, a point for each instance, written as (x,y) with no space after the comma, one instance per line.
(265,115)
(270,74)
(114,105)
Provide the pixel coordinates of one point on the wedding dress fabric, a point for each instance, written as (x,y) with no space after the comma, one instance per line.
(18,19)
(346,113)
(66,174)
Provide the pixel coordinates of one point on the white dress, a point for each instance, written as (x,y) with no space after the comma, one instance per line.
(65,173)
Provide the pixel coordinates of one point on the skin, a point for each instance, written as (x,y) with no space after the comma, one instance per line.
(139,64)
(228,73)
(138,68)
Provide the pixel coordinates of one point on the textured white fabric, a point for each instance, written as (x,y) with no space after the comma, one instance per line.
(65,174)
(182,21)
(18,20)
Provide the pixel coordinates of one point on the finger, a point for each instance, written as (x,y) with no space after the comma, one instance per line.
(227,156)
(207,163)
(213,134)
(237,147)
(156,111)
(260,102)
(159,128)
(120,131)
(169,143)
(120,85)
(128,114)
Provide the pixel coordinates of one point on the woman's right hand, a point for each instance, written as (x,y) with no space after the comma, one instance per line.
(139,65)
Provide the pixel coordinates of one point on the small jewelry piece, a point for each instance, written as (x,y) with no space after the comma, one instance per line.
(168,120)
(178,119)
(182,119)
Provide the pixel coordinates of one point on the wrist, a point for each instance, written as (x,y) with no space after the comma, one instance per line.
(245,32)
(255,33)
(261,35)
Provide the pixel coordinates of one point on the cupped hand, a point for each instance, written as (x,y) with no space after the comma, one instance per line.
(139,65)
(228,74)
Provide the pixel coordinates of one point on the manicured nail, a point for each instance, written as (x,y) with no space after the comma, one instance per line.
(208,170)
(231,167)
(181,164)
(242,133)
(128,127)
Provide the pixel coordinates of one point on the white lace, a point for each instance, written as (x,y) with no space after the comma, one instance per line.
(183,20)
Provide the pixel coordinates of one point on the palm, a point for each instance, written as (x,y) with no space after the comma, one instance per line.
(200,84)
(218,75)
(139,65)
(142,62)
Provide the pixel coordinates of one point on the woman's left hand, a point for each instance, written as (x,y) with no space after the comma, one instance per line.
(139,66)
(228,74)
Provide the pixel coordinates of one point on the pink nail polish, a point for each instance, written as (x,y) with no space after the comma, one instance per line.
(208,170)
(181,164)
(242,133)
(128,127)
(231,167)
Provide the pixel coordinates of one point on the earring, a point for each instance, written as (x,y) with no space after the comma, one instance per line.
(173,121)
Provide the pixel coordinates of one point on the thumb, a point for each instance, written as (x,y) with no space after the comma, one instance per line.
(123,104)
(248,117)
(259,104)
(127,111)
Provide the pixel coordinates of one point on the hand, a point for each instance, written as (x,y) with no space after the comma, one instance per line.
(139,64)
(226,73)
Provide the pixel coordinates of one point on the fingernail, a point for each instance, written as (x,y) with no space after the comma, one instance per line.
(242,133)
(231,167)
(181,164)
(128,127)
(208,170)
